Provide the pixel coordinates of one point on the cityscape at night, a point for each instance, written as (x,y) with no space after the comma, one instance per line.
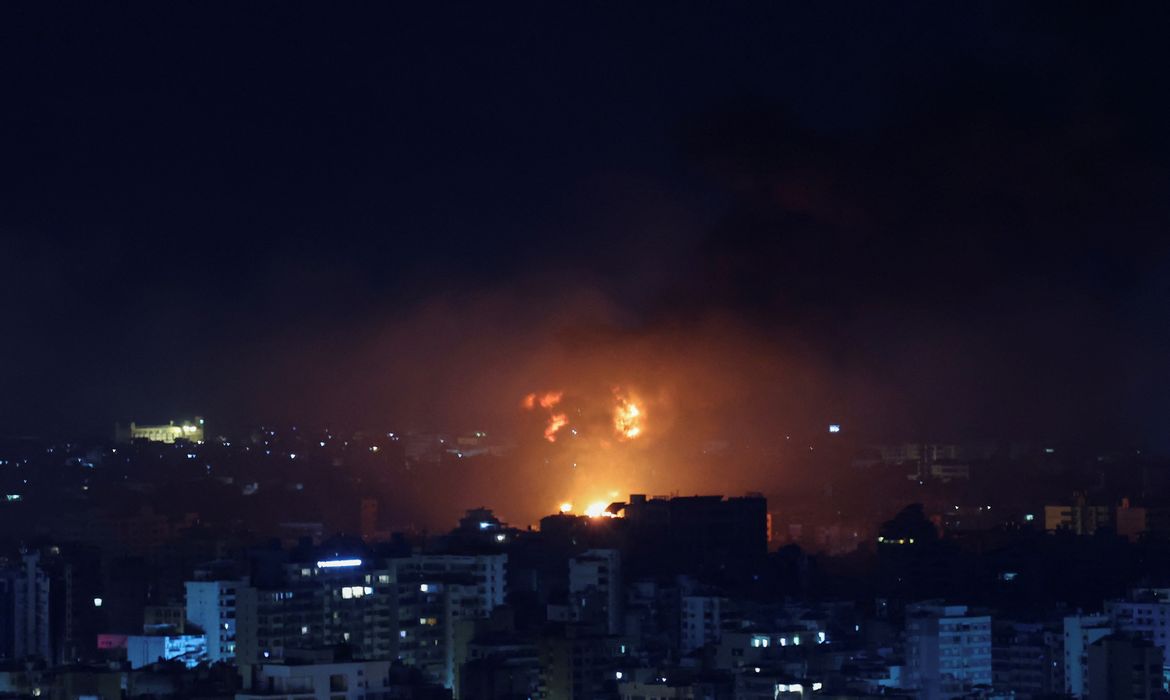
(640,351)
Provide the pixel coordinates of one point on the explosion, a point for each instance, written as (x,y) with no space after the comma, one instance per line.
(627,417)
(555,423)
(593,459)
(598,510)
(547,401)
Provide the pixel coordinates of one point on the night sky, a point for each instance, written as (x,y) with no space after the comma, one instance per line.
(924,220)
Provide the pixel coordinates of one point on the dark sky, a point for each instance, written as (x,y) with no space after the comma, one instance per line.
(927,219)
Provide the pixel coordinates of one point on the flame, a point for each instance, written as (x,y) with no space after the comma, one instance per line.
(546,400)
(555,423)
(597,510)
(628,418)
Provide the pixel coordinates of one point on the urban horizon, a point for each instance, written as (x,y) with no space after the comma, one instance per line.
(553,351)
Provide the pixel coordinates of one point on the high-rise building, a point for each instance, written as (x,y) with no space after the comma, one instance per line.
(695,534)
(1079,518)
(595,589)
(212,606)
(1028,658)
(1124,666)
(499,663)
(948,650)
(435,593)
(318,604)
(24,610)
(701,621)
(1144,613)
(577,664)
(1080,631)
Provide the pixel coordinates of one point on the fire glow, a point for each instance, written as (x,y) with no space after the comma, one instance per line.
(627,417)
(555,423)
(547,401)
(598,510)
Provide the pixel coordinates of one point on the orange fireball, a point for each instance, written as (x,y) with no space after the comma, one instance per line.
(628,417)
(555,423)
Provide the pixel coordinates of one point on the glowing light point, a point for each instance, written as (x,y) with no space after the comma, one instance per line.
(566,507)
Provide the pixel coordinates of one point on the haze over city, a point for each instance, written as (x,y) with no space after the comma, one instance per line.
(838,322)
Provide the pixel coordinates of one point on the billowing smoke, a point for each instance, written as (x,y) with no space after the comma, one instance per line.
(596,408)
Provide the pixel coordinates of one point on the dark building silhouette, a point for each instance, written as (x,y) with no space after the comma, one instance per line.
(696,534)
(1121,666)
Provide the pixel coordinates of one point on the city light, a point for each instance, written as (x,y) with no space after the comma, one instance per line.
(566,507)
(338,563)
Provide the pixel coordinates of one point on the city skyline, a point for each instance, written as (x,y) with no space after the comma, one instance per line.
(546,351)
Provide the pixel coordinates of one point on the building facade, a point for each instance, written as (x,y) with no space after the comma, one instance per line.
(212,606)
(948,650)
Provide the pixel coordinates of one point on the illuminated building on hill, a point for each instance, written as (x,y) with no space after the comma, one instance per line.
(192,431)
